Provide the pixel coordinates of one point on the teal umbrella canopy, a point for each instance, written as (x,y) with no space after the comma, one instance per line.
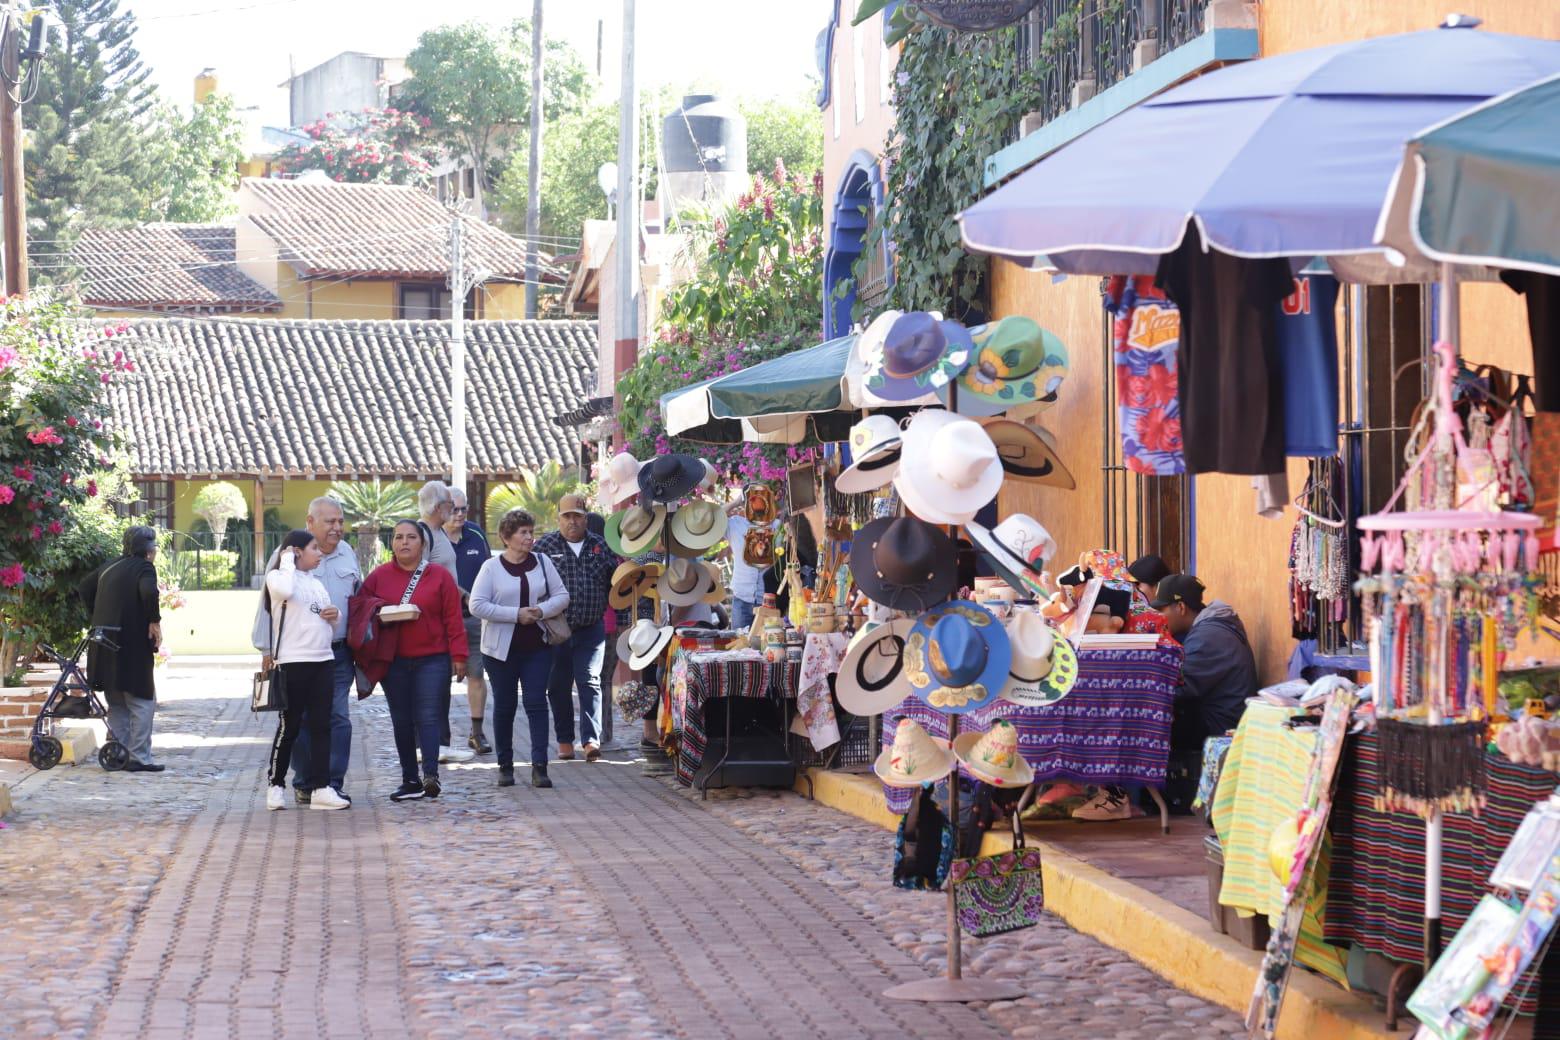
(787,399)
(1482,188)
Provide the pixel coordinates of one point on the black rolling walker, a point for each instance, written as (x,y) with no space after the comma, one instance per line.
(73,698)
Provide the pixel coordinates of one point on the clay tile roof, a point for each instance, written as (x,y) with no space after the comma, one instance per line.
(373,230)
(261,398)
(166,266)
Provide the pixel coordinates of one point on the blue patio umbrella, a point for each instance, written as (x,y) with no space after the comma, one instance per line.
(1483,187)
(1284,156)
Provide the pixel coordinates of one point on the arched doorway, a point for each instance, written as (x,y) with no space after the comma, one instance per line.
(858,196)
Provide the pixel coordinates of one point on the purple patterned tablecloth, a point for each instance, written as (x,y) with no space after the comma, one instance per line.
(1114,728)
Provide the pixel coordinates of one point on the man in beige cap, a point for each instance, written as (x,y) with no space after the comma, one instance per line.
(586,565)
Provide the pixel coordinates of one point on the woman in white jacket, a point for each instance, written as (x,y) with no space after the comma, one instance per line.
(513,592)
(302,617)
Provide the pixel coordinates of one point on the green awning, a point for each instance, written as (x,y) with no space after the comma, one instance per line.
(786,399)
(1482,187)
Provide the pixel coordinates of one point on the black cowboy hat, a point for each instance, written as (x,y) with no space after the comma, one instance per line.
(904,563)
(667,478)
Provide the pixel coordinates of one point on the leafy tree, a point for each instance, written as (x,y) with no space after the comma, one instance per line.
(371,506)
(206,146)
(92,143)
(217,504)
(538,494)
(473,84)
(789,130)
(375,146)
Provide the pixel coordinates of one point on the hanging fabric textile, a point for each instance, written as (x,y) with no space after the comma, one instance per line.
(1145,334)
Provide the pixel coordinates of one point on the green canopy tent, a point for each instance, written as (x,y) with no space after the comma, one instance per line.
(784,400)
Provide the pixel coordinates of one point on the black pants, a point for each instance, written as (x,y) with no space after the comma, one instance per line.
(310,685)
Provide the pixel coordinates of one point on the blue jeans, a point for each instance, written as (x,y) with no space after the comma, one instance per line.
(521,679)
(415,688)
(577,663)
(340,724)
(742,613)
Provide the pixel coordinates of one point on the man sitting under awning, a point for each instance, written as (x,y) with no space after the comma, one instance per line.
(1218,672)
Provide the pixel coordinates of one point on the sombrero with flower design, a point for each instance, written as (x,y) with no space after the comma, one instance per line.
(1014,362)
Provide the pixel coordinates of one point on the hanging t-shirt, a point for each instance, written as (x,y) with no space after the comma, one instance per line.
(1145,333)
(1229,382)
(1543,308)
(1308,346)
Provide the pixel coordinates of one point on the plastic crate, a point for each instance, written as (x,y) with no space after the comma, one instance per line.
(858,748)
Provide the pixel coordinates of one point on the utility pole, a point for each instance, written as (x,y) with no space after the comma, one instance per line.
(457,356)
(533,202)
(13,200)
(626,345)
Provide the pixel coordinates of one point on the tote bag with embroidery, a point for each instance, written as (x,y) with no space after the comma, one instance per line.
(1001,893)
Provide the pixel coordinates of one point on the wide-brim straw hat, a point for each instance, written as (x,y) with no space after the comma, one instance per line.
(872,679)
(631,581)
(875,445)
(1018,548)
(697,526)
(685,581)
(1029,454)
(644,529)
(993,756)
(915,757)
(644,642)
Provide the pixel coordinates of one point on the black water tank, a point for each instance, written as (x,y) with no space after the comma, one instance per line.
(705,128)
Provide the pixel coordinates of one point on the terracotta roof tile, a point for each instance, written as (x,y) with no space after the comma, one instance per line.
(249,398)
(166,265)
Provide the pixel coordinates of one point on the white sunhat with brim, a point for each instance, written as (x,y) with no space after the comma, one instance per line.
(993,756)
(872,679)
(697,526)
(1044,666)
(644,642)
(957,470)
(875,448)
(1018,547)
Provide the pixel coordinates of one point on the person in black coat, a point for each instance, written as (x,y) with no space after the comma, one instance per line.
(123,600)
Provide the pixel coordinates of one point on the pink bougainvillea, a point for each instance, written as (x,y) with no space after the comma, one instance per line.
(45,436)
(12,576)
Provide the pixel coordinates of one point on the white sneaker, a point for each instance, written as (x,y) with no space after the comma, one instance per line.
(454,754)
(327,798)
(275,798)
(1111,803)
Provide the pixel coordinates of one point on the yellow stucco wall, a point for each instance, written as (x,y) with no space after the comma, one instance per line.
(1241,557)
(296,495)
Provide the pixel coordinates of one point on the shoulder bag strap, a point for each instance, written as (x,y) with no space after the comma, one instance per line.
(281,623)
(1018,832)
(411,586)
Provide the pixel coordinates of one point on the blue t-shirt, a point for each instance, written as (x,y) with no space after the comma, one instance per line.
(471,552)
(1308,346)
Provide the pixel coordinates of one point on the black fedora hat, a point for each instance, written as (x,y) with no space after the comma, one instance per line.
(666,478)
(904,563)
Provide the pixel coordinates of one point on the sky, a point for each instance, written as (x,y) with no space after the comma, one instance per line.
(747,47)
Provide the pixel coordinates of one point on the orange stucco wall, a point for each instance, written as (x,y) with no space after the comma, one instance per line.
(1241,557)
(870,133)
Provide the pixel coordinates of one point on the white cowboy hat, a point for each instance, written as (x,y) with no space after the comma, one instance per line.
(697,526)
(872,678)
(957,469)
(874,452)
(684,581)
(1019,548)
(993,756)
(644,643)
(915,758)
(1044,666)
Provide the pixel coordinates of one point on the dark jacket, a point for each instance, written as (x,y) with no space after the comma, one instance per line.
(122,597)
(1218,672)
(373,645)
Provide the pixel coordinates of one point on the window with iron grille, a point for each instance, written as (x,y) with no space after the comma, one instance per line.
(1143,514)
(156,500)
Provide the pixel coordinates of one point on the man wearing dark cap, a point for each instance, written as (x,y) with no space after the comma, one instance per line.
(1147,572)
(1218,671)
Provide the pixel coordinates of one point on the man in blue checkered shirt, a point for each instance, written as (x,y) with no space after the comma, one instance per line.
(586,564)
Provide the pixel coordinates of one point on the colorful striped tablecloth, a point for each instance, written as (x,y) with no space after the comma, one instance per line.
(722,674)
(1376,893)
(1114,728)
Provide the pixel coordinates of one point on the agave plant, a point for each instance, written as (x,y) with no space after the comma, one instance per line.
(538,493)
(372,506)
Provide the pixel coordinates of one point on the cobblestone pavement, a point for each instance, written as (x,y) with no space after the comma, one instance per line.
(173,905)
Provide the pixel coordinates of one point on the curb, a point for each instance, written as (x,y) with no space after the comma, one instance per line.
(1172,942)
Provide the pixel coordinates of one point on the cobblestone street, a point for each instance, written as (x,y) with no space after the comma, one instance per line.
(174,905)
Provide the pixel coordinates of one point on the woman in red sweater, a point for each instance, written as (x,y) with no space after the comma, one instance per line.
(428,648)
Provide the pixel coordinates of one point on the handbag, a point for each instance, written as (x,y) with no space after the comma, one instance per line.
(923,847)
(1001,893)
(268,689)
(555,630)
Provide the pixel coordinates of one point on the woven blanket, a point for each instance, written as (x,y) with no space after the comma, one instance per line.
(1377,890)
(707,676)
(1114,728)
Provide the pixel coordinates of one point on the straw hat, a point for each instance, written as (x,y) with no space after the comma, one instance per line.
(993,756)
(872,678)
(1029,454)
(957,657)
(874,452)
(631,531)
(631,581)
(685,581)
(717,593)
(696,526)
(957,468)
(1044,666)
(644,643)
(915,758)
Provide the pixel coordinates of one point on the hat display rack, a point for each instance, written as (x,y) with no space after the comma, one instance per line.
(1445,587)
